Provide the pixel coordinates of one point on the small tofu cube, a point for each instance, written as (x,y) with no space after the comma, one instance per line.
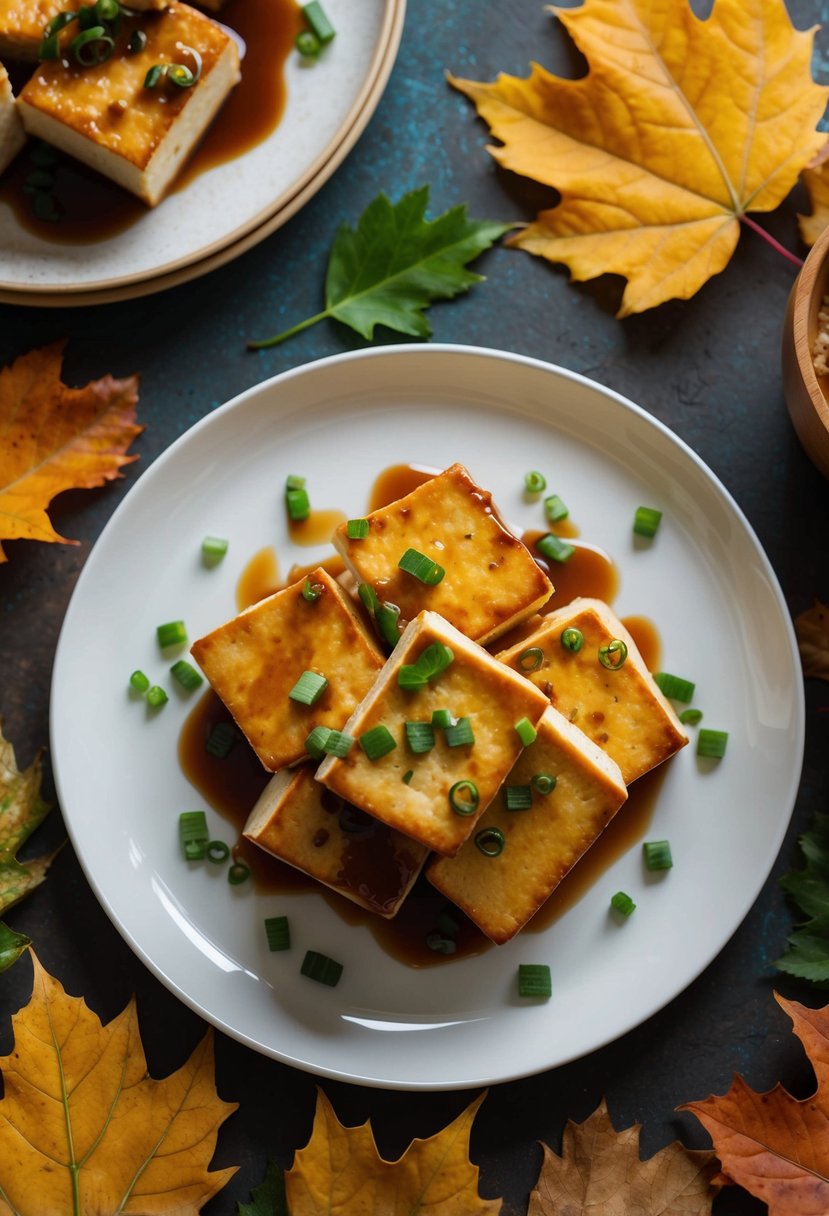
(491,581)
(501,891)
(473,686)
(104,116)
(22,23)
(254,661)
(306,825)
(12,137)
(621,710)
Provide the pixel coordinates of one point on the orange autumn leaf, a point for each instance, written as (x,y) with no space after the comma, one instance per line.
(600,1171)
(679,127)
(774,1145)
(815,178)
(340,1173)
(55,438)
(812,631)
(84,1129)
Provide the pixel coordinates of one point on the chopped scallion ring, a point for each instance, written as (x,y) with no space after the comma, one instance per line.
(464,797)
(222,739)
(377,742)
(218,851)
(459,735)
(622,903)
(321,968)
(316,741)
(173,633)
(526,731)
(107,10)
(712,743)
(311,591)
(535,483)
(213,548)
(238,873)
(193,834)
(137,42)
(154,74)
(442,718)
(407,776)
(421,567)
(420,737)
(387,617)
(318,21)
(531,658)
(297,504)
(431,663)
(554,548)
(572,639)
(309,688)
(92,46)
(338,743)
(690,717)
(156,697)
(357,529)
(674,687)
(181,75)
(490,841)
(440,944)
(139,682)
(657,855)
(368,598)
(518,797)
(186,675)
(646,521)
(534,979)
(555,509)
(278,932)
(544,783)
(613,654)
(308,44)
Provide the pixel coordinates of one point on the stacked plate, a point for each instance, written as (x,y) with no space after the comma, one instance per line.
(231,207)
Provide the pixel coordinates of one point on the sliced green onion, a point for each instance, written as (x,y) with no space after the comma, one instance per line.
(377,742)
(309,688)
(531,658)
(490,841)
(432,662)
(321,968)
(137,42)
(518,797)
(554,548)
(421,567)
(317,19)
(572,639)
(222,739)
(407,776)
(173,633)
(278,932)
(674,686)
(49,47)
(218,851)
(657,854)
(357,529)
(186,675)
(193,834)
(154,74)
(308,44)
(544,783)
(107,10)
(388,617)
(622,903)
(712,743)
(293,482)
(213,548)
(646,521)
(59,22)
(443,718)
(690,717)
(555,509)
(181,75)
(311,591)
(92,46)
(440,944)
(156,696)
(534,979)
(139,682)
(464,797)
(368,598)
(526,731)
(238,873)
(298,504)
(420,737)
(316,741)
(338,743)
(459,735)
(613,654)
(535,483)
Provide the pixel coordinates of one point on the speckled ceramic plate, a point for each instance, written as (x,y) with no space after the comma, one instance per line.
(704,582)
(229,208)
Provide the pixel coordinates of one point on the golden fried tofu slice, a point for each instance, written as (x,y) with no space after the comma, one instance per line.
(22,24)
(619,707)
(435,795)
(105,116)
(12,137)
(516,858)
(491,581)
(254,661)
(314,830)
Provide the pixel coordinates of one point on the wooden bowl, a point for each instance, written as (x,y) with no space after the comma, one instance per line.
(807,394)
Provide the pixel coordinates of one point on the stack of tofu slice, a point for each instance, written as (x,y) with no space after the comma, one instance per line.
(103,114)
(496,812)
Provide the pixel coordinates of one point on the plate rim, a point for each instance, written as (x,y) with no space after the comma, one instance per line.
(776,839)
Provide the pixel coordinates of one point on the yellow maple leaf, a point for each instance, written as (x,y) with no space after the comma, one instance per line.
(815,178)
(84,1131)
(679,127)
(54,438)
(340,1173)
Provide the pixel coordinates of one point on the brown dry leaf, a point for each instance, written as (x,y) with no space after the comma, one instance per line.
(83,1129)
(679,127)
(600,1171)
(812,631)
(340,1173)
(815,178)
(54,438)
(772,1144)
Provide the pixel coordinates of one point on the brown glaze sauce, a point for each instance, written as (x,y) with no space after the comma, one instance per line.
(316,529)
(231,786)
(93,208)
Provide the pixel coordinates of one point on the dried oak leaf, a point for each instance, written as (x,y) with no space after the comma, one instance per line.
(679,127)
(83,1128)
(55,438)
(812,632)
(600,1171)
(772,1144)
(340,1173)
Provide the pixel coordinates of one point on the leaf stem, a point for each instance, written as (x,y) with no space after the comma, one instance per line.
(781,249)
(288,333)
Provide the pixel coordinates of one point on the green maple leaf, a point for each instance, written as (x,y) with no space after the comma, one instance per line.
(808,954)
(21,810)
(395,263)
(269,1197)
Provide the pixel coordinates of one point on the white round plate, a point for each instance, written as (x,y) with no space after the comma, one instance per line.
(224,210)
(704,582)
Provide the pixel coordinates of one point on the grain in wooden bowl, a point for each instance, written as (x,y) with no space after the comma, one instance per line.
(806,387)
